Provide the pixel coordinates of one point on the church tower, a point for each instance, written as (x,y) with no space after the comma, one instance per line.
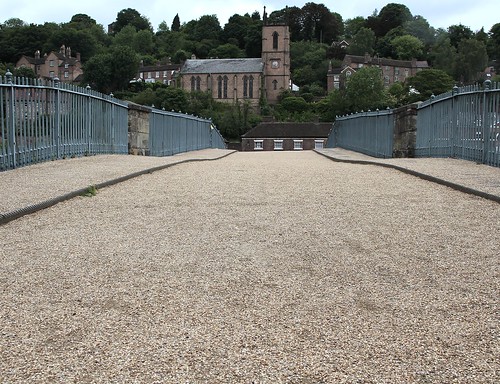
(276,58)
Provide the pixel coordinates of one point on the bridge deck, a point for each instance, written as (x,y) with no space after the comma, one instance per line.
(258,267)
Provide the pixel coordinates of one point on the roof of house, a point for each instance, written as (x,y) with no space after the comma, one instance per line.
(160,67)
(223,66)
(289,130)
(383,61)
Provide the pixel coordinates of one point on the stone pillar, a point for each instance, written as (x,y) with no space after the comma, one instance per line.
(405,131)
(138,129)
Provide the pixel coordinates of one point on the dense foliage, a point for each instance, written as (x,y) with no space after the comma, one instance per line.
(457,55)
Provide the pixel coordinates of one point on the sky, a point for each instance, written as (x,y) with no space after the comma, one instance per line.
(439,13)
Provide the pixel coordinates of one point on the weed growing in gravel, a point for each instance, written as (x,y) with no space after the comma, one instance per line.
(91,191)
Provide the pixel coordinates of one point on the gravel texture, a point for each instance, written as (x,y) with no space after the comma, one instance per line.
(256,268)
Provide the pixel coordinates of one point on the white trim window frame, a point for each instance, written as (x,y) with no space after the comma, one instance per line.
(319,144)
(298,145)
(258,145)
(278,145)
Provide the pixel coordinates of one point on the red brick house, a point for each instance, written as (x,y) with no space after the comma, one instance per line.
(55,64)
(273,136)
(392,71)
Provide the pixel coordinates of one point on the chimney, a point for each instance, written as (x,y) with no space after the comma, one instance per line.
(62,50)
(68,51)
(78,56)
(37,54)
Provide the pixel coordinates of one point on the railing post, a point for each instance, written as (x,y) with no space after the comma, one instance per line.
(487,128)
(58,117)
(12,146)
(89,118)
(454,126)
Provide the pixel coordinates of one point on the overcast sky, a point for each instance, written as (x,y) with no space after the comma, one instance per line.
(439,13)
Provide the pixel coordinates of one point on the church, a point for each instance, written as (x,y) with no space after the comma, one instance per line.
(244,80)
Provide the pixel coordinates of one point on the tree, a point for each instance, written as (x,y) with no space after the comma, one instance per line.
(419,27)
(363,42)
(407,47)
(319,24)
(236,28)
(472,58)
(493,46)
(112,71)
(365,90)
(429,82)
(176,24)
(391,16)
(443,55)
(131,17)
(459,32)
(352,26)
(227,51)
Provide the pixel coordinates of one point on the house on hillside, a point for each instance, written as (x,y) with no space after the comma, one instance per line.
(55,64)
(161,72)
(274,136)
(392,71)
(249,79)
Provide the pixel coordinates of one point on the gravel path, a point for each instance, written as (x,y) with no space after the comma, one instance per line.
(256,268)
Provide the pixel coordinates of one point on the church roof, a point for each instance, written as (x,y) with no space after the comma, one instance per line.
(223,66)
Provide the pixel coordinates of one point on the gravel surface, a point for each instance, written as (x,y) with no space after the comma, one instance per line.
(256,268)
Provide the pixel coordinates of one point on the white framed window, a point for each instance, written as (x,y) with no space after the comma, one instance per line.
(297,145)
(66,74)
(51,63)
(149,75)
(258,145)
(278,145)
(157,75)
(51,74)
(66,65)
(318,144)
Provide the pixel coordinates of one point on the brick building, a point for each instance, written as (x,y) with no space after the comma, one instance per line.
(55,64)
(274,136)
(392,71)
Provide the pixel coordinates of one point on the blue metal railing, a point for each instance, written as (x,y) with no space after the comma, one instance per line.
(370,133)
(464,124)
(42,121)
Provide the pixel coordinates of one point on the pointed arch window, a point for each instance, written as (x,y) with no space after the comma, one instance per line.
(198,83)
(275,40)
(193,83)
(245,86)
(275,84)
(224,81)
(219,87)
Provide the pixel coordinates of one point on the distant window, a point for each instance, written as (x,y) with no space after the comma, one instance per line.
(278,145)
(275,40)
(245,86)
(396,71)
(275,84)
(250,87)
(219,87)
(297,145)
(66,74)
(157,75)
(51,63)
(258,145)
(51,74)
(336,77)
(165,74)
(193,83)
(149,75)
(225,79)
(360,65)
(318,144)
(198,83)
(66,66)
